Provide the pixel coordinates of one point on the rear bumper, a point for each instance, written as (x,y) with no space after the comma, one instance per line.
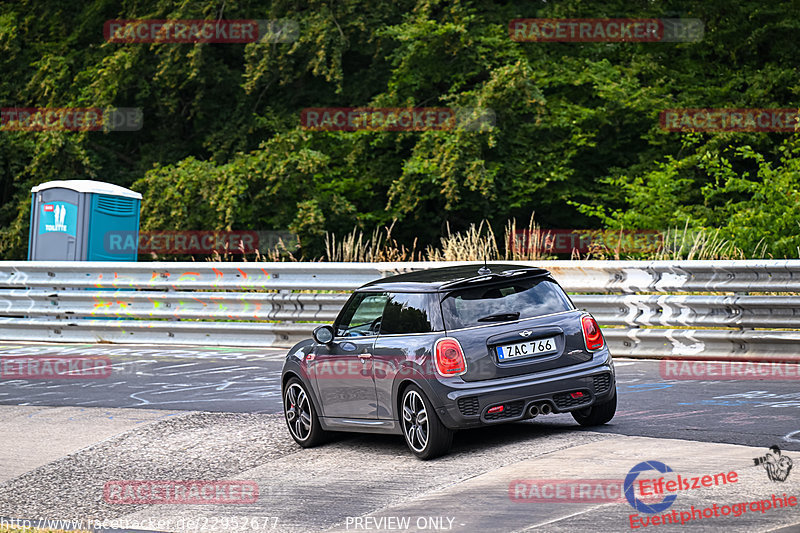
(465,404)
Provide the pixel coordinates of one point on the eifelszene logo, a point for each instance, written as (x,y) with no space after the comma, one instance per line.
(777,466)
(652,488)
(630,495)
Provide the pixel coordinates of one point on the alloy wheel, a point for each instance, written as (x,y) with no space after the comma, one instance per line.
(298,411)
(415,421)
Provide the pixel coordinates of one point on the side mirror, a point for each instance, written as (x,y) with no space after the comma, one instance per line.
(323,334)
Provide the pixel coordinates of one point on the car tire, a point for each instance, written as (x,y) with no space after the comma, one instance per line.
(301,416)
(598,414)
(424,433)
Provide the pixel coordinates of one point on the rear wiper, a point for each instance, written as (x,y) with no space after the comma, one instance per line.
(499,316)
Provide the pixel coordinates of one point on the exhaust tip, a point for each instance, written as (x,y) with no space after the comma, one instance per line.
(546,409)
(533,411)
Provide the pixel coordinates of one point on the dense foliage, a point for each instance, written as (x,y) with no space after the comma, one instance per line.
(577,137)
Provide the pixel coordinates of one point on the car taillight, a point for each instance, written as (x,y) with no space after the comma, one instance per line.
(449,357)
(591,334)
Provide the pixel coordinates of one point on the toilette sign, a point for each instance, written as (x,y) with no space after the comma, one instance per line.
(58,217)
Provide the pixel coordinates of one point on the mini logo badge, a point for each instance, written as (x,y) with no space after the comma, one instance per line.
(525,333)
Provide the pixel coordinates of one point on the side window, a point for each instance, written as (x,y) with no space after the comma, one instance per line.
(406,313)
(362,317)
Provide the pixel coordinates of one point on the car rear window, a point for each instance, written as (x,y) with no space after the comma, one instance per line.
(502,302)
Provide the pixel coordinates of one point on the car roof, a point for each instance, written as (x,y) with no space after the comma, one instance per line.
(437,279)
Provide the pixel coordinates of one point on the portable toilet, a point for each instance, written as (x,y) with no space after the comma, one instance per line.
(83,220)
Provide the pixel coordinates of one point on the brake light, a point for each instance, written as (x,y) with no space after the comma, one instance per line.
(495,409)
(449,357)
(591,333)
(577,395)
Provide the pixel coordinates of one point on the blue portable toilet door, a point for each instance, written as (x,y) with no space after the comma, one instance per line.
(56,224)
(113,228)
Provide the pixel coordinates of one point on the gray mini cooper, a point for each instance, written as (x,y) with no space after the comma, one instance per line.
(426,353)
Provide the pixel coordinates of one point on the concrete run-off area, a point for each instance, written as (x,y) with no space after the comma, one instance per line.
(193,439)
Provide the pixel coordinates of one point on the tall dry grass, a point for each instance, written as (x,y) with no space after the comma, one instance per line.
(380,246)
(689,244)
(279,252)
(528,244)
(476,243)
(520,243)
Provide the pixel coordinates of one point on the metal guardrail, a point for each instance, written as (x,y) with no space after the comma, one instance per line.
(732,345)
(693,311)
(579,276)
(252,304)
(173,305)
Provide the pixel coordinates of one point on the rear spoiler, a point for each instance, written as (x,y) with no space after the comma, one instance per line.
(496,276)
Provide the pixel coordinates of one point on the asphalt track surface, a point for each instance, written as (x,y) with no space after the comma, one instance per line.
(190,413)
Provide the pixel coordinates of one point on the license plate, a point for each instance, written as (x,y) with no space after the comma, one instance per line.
(519,350)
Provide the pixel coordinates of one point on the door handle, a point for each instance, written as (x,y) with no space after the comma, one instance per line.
(364,356)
